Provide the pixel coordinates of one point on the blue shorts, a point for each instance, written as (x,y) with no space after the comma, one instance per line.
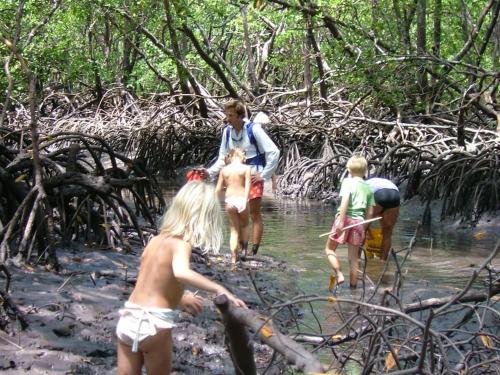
(387,198)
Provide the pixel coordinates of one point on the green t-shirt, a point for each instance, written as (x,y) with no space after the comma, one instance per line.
(360,197)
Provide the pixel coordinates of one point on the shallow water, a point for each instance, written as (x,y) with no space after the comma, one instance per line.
(442,259)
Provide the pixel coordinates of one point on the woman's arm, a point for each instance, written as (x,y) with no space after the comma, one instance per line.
(369,215)
(185,275)
(219,164)
(248,180)
(266,146)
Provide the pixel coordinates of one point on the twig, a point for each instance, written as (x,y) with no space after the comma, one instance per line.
(353,225)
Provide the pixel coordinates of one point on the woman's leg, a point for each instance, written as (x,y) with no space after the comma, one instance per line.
(129,363)
(234,228)
(157,351)
(258,228)
(389,218)
(377,210)
(330,248)
(353,254)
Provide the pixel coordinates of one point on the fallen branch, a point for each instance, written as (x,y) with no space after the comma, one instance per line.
(239,318)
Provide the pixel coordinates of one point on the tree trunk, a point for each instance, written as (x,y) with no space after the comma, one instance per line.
(495,58)
(401,26)
(221,59)
(178,57)
(317,55)
(489,36)
(307,74)
(409,13)
(99,91)
(267,49)
(495,51)
(421,51)
(436,49)
(213,64)
(436,35)
(465,22)
(374,17)
(185,77)
(10,81)
(127,65)
(251,68)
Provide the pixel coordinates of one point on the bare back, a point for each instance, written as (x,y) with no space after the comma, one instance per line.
(156,284)
(235,177)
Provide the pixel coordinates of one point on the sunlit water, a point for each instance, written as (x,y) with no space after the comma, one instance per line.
(441,260)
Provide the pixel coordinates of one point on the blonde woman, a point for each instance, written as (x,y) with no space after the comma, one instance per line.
(144,329)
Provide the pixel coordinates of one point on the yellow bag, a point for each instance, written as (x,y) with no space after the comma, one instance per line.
(373,246)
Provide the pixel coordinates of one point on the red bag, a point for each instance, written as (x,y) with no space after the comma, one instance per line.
(194,175)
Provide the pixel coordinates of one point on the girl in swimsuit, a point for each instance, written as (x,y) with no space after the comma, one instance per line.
(235,178)
(145,327)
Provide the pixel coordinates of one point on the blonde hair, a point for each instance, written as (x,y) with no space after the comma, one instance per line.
(195,216)
(357,166)
(236,153)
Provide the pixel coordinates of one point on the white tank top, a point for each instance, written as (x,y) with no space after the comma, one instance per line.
(377,183)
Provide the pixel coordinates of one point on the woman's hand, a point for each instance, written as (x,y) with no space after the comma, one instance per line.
(203,172)
(256,177)
(191,303)
(237,302)
(368,235)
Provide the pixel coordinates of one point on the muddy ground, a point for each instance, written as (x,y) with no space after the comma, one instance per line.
(72,314)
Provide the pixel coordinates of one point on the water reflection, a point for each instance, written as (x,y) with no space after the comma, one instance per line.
(442,259)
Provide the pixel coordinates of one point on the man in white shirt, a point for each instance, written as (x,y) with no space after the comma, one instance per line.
(261,154)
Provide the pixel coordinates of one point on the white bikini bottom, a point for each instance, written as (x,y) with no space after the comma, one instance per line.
(137,323)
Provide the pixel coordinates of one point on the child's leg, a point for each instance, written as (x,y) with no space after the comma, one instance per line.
(244,217)
(353,254)
(157,351)
(330,248)
(129,363)
(234,227)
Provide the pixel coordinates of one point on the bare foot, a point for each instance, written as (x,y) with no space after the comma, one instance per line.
(335,282)
(234,259)
(340,278)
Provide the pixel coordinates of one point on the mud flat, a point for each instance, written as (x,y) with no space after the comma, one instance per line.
(72,314)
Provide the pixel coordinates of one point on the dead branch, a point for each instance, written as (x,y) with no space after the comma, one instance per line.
(262,326)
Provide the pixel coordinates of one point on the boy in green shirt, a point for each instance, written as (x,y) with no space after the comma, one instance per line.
(356,205)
